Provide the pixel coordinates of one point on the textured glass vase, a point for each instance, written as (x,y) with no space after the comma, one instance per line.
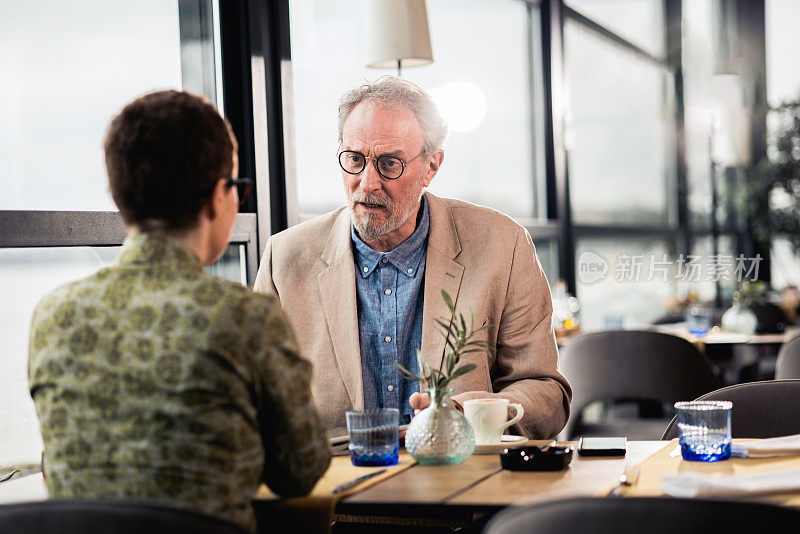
(440,434)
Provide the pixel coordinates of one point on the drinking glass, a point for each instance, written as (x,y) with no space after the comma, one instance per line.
(698,321)
(705,428)
(374,436)
(613,321)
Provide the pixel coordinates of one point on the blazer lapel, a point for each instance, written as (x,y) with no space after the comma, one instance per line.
(441,272)
(338,290)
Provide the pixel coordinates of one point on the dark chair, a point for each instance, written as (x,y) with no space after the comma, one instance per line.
(86,516)
(635,515)
(760,409)
(626,364)
(788,364)
(771,319)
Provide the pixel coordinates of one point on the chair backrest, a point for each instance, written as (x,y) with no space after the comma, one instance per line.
(771,319)
(106,517)
(788,364)
(628,364)
(760,409)
(634,515)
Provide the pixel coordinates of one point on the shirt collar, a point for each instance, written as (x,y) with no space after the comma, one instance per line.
(405,257)
(148,249)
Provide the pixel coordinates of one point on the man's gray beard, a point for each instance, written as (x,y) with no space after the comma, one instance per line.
(366,230)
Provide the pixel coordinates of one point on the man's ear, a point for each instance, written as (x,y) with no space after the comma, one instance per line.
(434,162)
(216,203)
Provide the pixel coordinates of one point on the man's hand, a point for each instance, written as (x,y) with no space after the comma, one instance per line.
(419,401)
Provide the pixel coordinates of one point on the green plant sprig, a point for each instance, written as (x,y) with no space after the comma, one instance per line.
(749,293)
(458,340)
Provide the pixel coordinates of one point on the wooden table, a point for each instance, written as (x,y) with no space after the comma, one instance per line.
(458,495)
(719,337)
(740,357)
(462,494)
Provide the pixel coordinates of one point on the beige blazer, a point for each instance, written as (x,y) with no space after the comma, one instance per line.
(482,258)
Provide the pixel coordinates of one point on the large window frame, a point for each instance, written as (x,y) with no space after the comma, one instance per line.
(254,74)
(558,227)
(241,66)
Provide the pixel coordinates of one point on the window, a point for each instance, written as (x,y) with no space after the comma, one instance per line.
(69,68)
(618,133)
(493,153)
(639,279)
(783,49)
(62,90)
(783,86)
(639,21)
(621,153)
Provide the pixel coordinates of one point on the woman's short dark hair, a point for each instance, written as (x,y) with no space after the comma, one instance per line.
(165,152)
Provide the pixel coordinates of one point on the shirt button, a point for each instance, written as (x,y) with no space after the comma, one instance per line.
(388,291)
(384,260)
(411,271)
(366,269)
(390,387)
(388,339)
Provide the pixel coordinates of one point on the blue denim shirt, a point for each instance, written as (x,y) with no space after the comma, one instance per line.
(389,295)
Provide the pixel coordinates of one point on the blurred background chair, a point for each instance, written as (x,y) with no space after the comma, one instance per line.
(771,319)
(634,515)
(626,365)
(788,364)
(760,409)
(106,517)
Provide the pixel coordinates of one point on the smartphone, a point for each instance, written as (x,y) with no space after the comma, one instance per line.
(615,446)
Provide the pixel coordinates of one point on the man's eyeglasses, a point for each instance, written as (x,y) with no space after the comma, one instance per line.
(243,186)
(390,167)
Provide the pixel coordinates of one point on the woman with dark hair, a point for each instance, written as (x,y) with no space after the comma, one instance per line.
(152,379)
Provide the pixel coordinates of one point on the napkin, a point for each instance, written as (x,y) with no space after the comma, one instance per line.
(763,448)
(696,485)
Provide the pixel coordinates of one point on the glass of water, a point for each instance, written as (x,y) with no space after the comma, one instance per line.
(705,429)
(698,320)
(374,436)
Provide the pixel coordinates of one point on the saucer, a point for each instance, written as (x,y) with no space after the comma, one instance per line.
(507,441)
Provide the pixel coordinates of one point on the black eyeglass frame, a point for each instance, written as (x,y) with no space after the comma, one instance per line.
(243,186)
(376,160)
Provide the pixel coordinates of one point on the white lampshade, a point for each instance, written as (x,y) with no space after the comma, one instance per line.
(397,31)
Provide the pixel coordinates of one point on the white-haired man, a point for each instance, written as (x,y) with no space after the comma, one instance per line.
(362,285)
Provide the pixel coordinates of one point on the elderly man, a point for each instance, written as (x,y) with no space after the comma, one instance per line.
(362,285)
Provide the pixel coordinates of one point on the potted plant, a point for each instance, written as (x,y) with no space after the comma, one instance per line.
(440,434)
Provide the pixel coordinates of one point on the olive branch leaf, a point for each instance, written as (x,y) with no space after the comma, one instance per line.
(458,340)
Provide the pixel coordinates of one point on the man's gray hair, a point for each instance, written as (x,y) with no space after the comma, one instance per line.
(393,91)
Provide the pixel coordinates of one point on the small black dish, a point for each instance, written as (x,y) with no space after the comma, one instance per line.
(535,459)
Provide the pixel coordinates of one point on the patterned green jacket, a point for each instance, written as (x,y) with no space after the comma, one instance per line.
(156,381)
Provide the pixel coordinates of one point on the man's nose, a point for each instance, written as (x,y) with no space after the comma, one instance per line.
(370,179)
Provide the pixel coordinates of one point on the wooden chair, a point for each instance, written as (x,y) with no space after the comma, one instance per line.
(764,409)
(626,364)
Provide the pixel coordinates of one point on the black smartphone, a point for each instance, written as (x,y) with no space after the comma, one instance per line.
(615,446)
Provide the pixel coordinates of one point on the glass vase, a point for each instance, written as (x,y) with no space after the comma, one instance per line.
(740,319)
(440,434)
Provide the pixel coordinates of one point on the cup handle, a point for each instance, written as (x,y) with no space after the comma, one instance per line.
(520,412)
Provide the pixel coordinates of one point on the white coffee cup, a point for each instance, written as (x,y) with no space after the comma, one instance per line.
(489,417)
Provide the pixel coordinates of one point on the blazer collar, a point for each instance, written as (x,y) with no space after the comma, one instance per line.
(443,232)
(338,243)
(442,272)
